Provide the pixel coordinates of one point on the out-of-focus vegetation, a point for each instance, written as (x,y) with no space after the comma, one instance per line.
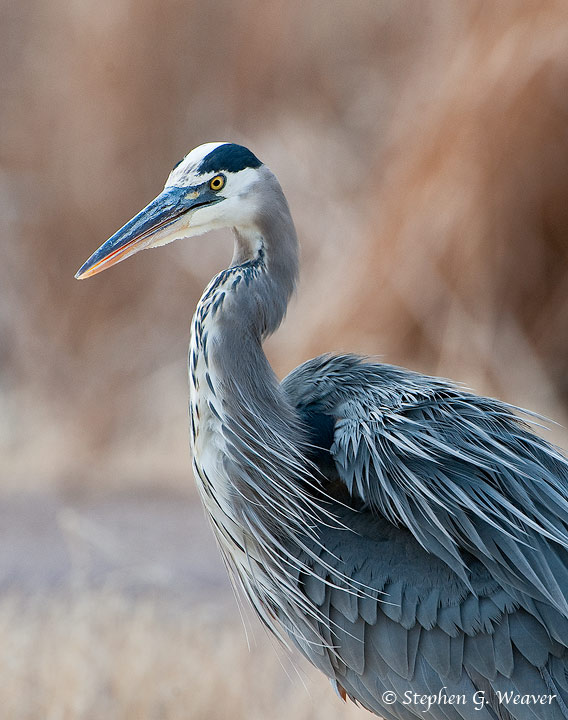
(424,151)
(103,657)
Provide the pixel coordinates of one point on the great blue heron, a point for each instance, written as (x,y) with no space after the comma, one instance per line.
(409,537)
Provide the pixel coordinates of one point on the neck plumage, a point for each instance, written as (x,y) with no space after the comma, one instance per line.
(240,308)
(246,438)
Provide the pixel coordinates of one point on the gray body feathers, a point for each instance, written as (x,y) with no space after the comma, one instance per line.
(406,535)
(460,528)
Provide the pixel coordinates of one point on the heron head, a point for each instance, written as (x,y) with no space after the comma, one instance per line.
(212,187)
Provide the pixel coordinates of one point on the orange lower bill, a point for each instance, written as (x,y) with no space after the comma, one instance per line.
(111,259)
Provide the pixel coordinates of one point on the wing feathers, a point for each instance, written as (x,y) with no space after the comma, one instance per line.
(462,519)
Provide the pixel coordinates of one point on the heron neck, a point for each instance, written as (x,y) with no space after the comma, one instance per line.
(229,372)
(266,255)
(245,304)
(248,443)
(249,306)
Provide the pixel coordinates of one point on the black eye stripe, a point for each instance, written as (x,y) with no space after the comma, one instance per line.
(229,157)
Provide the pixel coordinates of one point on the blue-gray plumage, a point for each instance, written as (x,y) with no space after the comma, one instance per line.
(408,537)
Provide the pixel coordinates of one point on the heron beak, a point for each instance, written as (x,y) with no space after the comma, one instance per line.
(148,227)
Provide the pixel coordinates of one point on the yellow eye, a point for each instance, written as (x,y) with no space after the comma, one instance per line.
(217,182)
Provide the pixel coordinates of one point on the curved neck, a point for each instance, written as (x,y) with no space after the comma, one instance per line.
(267,255)
(252,298)
(246,303)
(248,441)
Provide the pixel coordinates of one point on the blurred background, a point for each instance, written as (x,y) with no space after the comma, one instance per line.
(424,150)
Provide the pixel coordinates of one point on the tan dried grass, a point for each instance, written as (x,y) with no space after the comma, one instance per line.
(102,656)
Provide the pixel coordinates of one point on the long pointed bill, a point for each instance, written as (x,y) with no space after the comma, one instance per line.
(145,229)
